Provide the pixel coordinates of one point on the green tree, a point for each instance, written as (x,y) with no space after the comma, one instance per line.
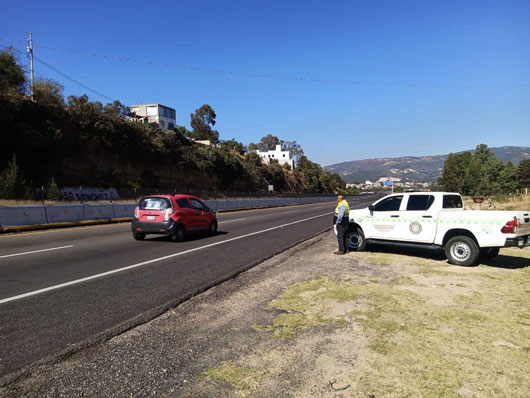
(452,175)
(12,182)
(48,92)
(268,143)
(54,193)
(116,108)
(295,150)
(491,168)
(233,145)
(202,122)
(12,78)
(508,179)
(252,147)
(523,171)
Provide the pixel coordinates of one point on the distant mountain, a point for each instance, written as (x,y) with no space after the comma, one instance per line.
(413,169)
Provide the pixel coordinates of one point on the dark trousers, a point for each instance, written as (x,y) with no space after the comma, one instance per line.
(342,232)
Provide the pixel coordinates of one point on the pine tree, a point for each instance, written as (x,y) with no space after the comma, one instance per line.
(12,183)
(54,193)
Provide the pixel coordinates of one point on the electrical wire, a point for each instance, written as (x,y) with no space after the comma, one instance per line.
(277,77)
(13,27)
(62,74)
(72,79)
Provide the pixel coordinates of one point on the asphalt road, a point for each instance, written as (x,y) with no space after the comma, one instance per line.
(62,290)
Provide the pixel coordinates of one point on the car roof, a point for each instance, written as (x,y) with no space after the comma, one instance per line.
(176,196)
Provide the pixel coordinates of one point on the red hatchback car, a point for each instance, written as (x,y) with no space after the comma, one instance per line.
(173,215)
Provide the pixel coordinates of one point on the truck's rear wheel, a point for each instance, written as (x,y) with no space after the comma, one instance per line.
(462,250)
(356,240)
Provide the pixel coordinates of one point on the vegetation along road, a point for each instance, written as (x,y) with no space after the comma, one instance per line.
(62,290)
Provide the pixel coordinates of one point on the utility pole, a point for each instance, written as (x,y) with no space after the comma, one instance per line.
(30,52)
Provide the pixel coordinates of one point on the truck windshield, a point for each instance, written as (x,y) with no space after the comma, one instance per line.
(452,202)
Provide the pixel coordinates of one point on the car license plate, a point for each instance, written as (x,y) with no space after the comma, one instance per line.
(151,218)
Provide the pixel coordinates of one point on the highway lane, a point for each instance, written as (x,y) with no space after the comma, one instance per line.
(97,303)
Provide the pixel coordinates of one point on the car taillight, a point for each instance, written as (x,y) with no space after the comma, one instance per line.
(168,213)
(136,212)
(510,227)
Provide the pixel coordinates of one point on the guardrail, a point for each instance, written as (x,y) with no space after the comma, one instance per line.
(42,216)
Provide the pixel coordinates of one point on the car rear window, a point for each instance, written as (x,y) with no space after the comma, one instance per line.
(452,202)
(154,204)
(420,202)
(183,203)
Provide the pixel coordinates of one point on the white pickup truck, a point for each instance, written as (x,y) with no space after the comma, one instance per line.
(438,220)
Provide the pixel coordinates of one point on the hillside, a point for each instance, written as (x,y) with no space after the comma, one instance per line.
(413,169)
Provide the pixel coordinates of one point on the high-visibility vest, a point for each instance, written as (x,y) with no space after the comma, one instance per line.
(345,204)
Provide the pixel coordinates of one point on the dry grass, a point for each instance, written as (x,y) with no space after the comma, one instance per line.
(520,202)
(477,344)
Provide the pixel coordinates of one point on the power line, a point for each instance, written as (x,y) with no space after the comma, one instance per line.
(72,79)
(278,77)
(13,27)
(62,74)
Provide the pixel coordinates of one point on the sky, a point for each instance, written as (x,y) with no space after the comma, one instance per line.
(347,80)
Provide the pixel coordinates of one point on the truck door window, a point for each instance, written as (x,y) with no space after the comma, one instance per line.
(452,202)
(389,204)
(420,202)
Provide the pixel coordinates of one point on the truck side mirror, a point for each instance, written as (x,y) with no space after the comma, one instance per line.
(371,208)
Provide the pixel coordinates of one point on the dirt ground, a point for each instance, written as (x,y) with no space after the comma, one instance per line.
(307,323)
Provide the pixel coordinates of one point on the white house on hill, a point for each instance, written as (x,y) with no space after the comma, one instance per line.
(163,115)
(281,156)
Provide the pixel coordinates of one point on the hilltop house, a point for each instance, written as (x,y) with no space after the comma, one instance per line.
(282,157)
(163,115)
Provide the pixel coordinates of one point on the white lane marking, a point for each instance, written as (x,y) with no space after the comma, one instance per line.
(224,222)
(36,251)
(115,271)
(290,211)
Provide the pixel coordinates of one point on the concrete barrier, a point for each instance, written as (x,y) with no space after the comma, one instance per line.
(99,211)
(64,213)
(123,210)
(11,216)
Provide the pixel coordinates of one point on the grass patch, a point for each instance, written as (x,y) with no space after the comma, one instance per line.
(307,305)
(478,346)
(472,346)
(245,380)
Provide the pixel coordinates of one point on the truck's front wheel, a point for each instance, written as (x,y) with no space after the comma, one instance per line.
(355,240)
(462,250)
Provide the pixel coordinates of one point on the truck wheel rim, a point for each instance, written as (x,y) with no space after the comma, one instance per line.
(354,241)
(460,251)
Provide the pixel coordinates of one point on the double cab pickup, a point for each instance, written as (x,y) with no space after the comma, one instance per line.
(438,220)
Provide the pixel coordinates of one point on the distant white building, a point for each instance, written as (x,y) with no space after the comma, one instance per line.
(282,157)
(164,116)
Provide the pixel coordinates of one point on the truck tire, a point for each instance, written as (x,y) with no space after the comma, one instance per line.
(487,253)
(355,240)
(462,250)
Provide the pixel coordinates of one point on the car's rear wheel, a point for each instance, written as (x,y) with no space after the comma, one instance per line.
(462,250)
(213,228)
(179,235)
(356,240)
(138,235)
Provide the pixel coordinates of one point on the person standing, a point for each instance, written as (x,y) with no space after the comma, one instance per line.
(342,214)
